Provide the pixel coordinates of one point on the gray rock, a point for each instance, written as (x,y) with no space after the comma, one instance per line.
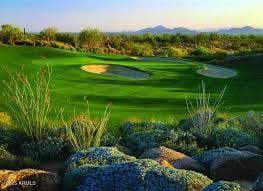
(237,166)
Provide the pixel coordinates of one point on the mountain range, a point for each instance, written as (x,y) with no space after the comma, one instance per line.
(232,31)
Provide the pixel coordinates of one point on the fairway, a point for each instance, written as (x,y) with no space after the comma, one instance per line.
(161,96)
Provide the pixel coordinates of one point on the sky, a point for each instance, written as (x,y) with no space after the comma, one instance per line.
(130,15)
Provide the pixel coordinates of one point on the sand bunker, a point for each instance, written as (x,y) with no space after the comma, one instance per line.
(208,70)
(216,72)
(116,70)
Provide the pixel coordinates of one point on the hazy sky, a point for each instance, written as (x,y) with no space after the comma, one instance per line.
(119,15)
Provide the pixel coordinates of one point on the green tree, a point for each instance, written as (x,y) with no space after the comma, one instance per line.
(10,34)
(90,38)
(66,38)
(48,34)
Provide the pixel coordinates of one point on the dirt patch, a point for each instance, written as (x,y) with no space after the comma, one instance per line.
(116,70)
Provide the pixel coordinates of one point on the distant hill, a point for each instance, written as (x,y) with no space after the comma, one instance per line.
(243,30)
(232,31)
(163,30)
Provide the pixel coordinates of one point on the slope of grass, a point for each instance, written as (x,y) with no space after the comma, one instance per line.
(162,96)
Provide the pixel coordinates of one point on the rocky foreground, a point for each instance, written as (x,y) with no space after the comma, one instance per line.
(157,169)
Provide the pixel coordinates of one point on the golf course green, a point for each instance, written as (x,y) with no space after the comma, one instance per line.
(159,97)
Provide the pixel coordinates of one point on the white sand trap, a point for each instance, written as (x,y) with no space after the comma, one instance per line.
(116,70)
(216,72)
(208,70)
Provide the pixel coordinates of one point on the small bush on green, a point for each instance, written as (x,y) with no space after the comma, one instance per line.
(83,131)
(46,149)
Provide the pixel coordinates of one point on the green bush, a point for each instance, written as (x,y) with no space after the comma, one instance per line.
(233,137)
(84,131)
(25,42)
(134,176)
(140,141)
(223,186)
(11,138)
(9,161)
(46,149)
(42,43)
(96,156)
(253,122)
(201,51)
(131,127)
(109,140)
(176,52)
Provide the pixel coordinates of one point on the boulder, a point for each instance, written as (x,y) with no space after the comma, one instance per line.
(209,156)
(176,159)
(124,149)
(236,166)
(222,186)
(138,175)
(258,185)
(29,180)
(252,149)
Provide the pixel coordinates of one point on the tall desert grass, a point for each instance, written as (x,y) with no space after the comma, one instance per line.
(29,102)
(84,131)
(202,112)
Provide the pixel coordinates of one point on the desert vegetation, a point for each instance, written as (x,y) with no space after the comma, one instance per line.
(204,46)
(63,128)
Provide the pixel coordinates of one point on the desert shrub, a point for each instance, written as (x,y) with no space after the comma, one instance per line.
(109,140)
(42,43)
(25,42)
(84,131)
(140,141)
(176,52)
(29,103)
(203,112)
(233,137)
(10,137)
(96,156)
(9,161)
(223,186)
(46,149)
(4,154)
(201,51)
(184,142)
(130,127)
(209,156)
(137,175)
(253,122)
(5,120)
(61,45)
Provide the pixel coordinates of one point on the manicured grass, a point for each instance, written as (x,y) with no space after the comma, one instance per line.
(160,97)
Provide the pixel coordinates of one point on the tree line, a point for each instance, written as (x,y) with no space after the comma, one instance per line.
(170,45)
